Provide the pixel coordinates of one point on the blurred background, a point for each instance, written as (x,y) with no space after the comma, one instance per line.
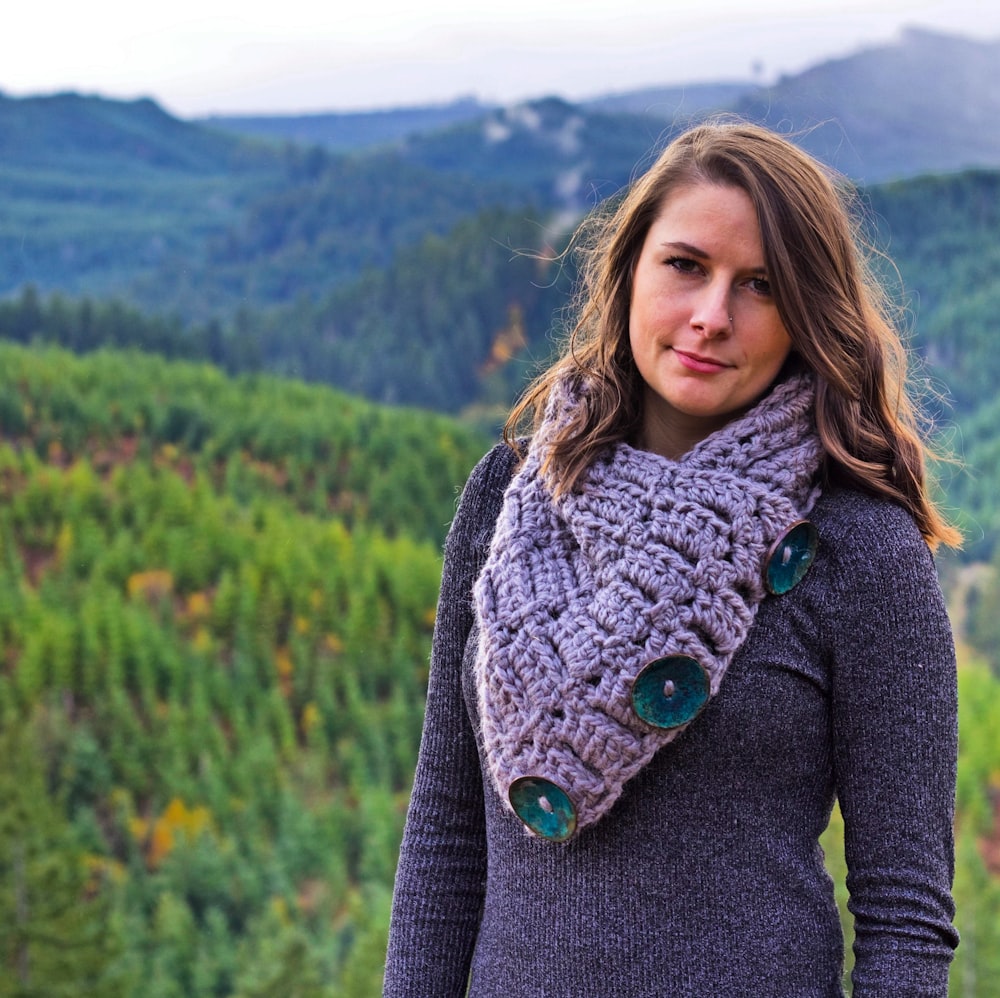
(269,279)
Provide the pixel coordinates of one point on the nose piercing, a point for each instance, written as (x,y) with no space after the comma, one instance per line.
(730,320)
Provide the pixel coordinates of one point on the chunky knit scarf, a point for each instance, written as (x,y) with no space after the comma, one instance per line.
(648,558)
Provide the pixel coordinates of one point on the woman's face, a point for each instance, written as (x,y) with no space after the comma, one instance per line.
(704,329)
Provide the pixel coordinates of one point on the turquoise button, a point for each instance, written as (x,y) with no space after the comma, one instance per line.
(544,807)
(670,691)
(790,557)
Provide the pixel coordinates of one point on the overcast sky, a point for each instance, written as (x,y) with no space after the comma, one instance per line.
(203,56)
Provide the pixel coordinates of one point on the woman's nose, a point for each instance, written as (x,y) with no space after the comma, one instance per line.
(712,313)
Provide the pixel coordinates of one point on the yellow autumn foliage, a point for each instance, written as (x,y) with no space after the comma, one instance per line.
(153,585)
(310,717)
(177,822)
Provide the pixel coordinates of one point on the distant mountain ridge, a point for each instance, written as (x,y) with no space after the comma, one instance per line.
(928,102)
(91,132)
(352,130)
(346,130)
(673,102)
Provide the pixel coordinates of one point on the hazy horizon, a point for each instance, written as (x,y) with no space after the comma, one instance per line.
(246,57)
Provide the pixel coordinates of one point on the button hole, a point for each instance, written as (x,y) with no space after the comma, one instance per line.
(669,689)
(786,554)
(543,803)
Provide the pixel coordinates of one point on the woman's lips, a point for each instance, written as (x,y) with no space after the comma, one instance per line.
(695,362)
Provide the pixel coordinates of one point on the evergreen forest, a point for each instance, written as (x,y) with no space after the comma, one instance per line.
(217,597)
(243,377)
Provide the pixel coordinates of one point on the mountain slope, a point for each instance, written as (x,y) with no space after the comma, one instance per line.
(71,130)
(350,130)
(928,103)
(94,192)
(558,155)
(216,602)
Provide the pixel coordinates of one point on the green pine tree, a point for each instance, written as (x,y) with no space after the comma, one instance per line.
(57,932)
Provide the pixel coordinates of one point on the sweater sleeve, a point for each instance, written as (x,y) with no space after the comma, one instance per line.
(894,703)
(440,878)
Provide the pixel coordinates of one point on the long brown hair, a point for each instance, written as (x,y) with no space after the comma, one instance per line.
(837,313)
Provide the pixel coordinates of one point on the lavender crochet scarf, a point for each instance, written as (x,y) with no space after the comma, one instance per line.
(648,558)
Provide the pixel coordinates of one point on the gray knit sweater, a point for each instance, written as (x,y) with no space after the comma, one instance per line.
(705,879)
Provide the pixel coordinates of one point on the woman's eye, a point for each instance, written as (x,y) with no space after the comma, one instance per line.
(683,264)
(760,286)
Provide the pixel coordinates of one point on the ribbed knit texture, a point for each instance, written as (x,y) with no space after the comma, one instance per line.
(649,557)
(705,880)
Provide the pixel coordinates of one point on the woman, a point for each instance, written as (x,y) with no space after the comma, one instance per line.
(699,608)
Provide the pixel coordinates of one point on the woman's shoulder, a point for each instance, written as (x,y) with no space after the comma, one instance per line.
(852,518)
(495,467)
(870,544)
(482,498)
(488,480)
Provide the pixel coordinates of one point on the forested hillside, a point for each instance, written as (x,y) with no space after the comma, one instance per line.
(216,604)
(94,192)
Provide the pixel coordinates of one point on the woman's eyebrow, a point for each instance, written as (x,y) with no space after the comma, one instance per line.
(686,248)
